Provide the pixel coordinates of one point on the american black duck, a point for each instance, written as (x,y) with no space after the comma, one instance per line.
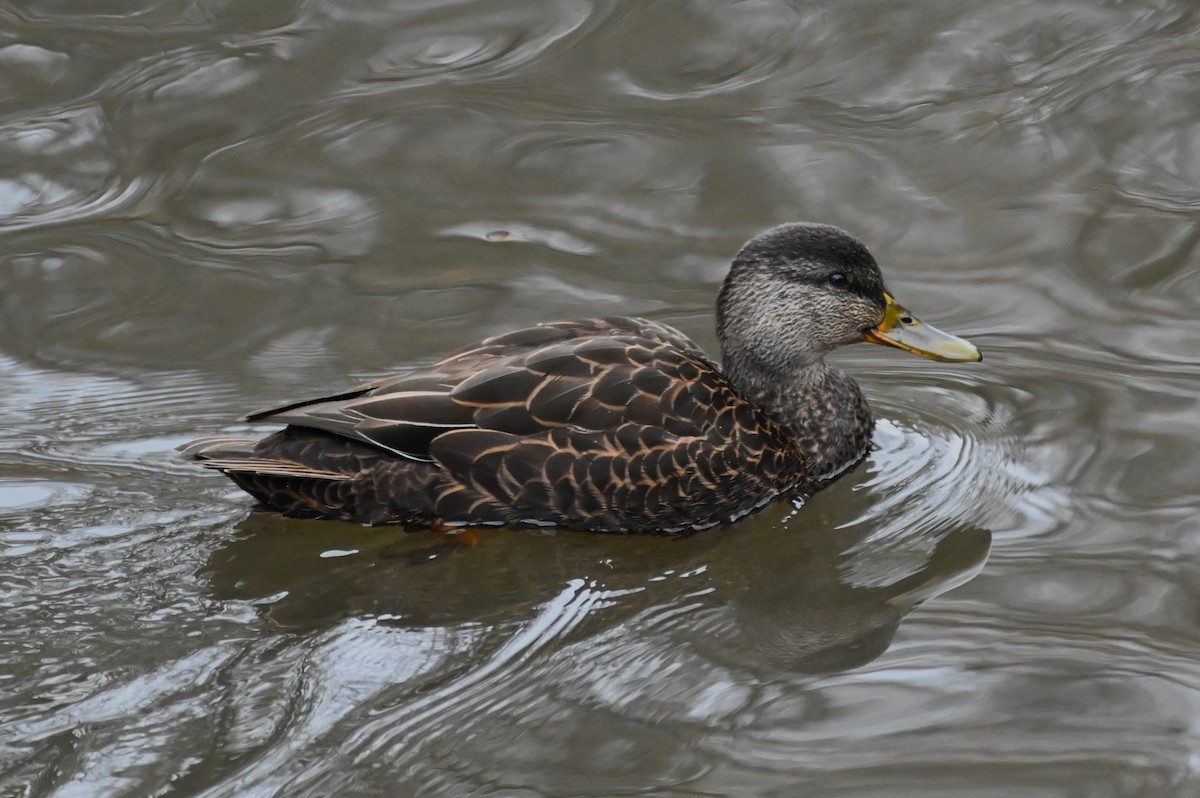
(613,425)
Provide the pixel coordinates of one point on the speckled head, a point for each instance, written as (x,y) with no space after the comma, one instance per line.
(799,291)
(795,293)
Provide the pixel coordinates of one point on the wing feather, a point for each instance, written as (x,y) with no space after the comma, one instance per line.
(586,422)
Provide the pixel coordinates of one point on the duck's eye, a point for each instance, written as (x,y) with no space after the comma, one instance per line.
(838,280)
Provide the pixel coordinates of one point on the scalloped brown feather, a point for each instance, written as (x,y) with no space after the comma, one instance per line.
(609,425)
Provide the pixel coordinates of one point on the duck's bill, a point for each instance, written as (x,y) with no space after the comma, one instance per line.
(903,330)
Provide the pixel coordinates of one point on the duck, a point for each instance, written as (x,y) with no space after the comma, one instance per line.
(614,424)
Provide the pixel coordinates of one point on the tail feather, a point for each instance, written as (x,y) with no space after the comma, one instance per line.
(306,473)
(239,454)
(217,446)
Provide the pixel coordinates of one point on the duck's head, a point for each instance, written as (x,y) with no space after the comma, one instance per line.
(799,291)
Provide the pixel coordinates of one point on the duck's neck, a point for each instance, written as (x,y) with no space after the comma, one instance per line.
(822,407)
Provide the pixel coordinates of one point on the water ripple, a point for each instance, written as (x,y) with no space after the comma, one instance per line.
(50,196)
(443,51)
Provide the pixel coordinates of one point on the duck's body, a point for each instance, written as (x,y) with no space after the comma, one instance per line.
(616,424)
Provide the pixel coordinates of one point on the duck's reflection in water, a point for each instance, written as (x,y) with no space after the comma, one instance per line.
(782,590)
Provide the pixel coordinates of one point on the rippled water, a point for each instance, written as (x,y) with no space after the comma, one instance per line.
(207,206)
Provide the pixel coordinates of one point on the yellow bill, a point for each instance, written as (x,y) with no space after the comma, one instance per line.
(903,330)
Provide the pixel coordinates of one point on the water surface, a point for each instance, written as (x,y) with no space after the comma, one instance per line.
(207,207)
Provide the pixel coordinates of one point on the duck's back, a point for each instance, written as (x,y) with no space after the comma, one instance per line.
(611,425)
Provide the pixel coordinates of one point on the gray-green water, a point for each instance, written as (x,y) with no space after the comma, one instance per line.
(206,207)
